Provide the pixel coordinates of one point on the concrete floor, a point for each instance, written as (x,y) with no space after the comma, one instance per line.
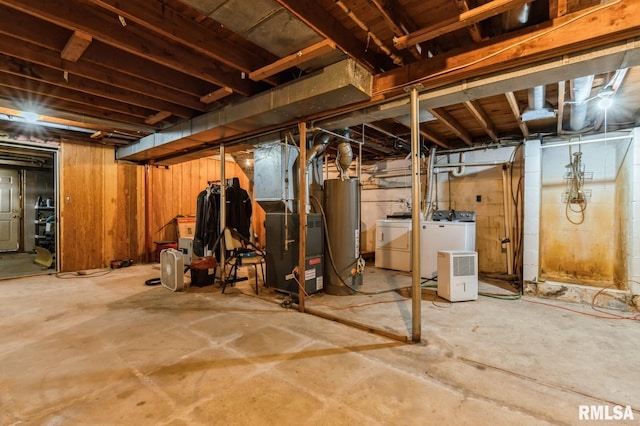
(110,350)
(14,265)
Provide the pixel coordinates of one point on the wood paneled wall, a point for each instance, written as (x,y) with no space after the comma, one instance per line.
(102,208)
(104,204)
(174,191)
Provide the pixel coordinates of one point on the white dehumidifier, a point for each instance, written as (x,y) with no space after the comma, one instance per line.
(172,269)
(458,275)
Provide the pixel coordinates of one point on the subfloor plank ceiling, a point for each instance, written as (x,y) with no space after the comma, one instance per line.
(114,72)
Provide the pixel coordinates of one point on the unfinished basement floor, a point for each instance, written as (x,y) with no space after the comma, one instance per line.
(110,350)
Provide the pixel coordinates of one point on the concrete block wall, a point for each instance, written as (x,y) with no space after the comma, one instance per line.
(634,255)
(531,222)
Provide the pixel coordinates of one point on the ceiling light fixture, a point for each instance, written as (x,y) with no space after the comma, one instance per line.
(29,117)
(605,102)
(605,98)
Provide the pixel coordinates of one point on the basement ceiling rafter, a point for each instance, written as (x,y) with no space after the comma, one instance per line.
(311,13)
(153,16)
(104,26)
(178,65)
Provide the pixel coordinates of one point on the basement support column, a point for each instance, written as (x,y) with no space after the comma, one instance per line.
(416,291)
(148,240)
(302,213)
(223,211)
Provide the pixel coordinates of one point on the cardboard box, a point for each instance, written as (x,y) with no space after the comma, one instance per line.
(186,226)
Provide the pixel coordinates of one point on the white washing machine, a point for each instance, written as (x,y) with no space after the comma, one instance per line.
(393,244)
(443,235)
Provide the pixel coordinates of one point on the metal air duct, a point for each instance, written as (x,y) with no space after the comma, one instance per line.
(581,91)
(335,86)
(538,107)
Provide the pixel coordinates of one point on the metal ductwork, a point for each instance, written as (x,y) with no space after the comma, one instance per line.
(335,86)
(538,108)
(320,143)
(581,92)
(516,18)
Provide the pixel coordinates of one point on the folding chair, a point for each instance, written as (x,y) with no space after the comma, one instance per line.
(241,252)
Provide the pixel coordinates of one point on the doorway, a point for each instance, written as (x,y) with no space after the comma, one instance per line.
(28,209)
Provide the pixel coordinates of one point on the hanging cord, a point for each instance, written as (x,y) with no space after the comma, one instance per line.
(575,189)
(333,265)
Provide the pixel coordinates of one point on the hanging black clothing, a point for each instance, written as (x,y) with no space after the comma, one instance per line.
(239,209)
(201,218)
(207,220)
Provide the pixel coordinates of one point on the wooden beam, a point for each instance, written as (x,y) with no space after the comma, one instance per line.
(58,106)
(448,120)
(315,16)
(398,21)
(557,8)
(153,16)
(564,35)
(561,93)
(474,29)
(465,19)
(93,89)
(158,117)
(50,36)
(216,95)
(293,60)
(433,137)
(75,47)
(513,104)
(49,58)
(77,15)
(483,118)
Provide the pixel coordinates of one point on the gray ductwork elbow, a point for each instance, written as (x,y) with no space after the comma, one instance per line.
(320,142)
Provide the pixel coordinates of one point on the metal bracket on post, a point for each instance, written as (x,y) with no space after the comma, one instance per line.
(419,87)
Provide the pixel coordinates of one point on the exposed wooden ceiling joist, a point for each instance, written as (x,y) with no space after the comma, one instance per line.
(483,118)
(312,14)
(75,47)
(434,137)
(216,95)
(513,104)
(98,54)
(47,58)
(293,60)
(474,29)
(103,26)
(398,21)
(465,19)
(557,8)
(66,104)
(158,117)
(565,35)
(51,77)
(449,121)
(156,17)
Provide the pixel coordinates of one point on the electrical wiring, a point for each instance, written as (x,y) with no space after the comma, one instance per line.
(608,316)
(635,317)
(501,296)
(498,52)
(80,274)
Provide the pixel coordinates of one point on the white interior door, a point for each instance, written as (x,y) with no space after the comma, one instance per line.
(9,209)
